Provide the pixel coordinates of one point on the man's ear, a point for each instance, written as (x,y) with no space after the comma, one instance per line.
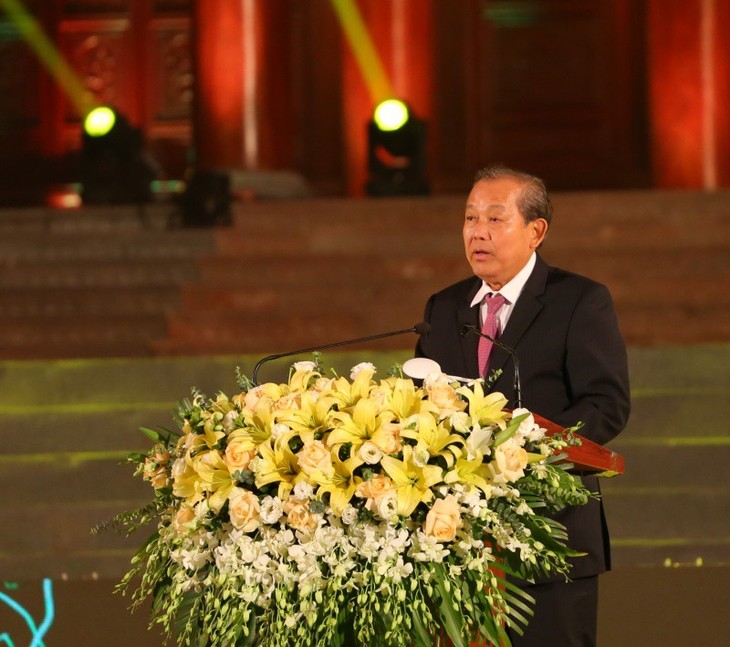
(538,231)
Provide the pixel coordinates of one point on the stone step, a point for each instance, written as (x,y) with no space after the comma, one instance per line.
(102,274)
(53,302)
(70,336)
(29,247)
(89,219)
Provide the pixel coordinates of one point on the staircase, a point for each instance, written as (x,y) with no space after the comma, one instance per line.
(99,282)
(290,275)
(115,282)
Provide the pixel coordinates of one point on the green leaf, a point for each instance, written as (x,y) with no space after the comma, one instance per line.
(510,430)
(155,436)
(453,622)
(421,637)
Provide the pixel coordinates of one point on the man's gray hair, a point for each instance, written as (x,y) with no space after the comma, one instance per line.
(533,202)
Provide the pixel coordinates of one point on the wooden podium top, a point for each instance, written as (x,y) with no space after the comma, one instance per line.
(588,456)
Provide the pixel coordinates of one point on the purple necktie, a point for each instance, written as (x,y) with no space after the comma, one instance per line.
(494,305)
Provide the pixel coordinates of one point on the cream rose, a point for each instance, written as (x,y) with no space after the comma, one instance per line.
(323,384)
(376,487)
(315,456)
(238,454)
(299,516)
(244,509)
(182,519)
(445,398)
(155,471)
(443,519)
(510,460)
(290,401)
(388,438)
(251,399)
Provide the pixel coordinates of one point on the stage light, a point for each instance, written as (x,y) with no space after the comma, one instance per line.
(390,115)
(99,121)
(396,151)
(115,167)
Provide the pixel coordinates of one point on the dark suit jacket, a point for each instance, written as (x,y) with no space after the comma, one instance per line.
(573,366)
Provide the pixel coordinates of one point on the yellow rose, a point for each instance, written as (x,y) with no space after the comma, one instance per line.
(443,519)
(388,438)
(238,454)
(510,460)
(244,509)
(445,398)
(291,401)
(315,457)
(181,520)
(376,487)
(298,515)
(155,472)
(323,384)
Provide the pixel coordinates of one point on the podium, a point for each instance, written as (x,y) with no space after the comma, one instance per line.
(588,456)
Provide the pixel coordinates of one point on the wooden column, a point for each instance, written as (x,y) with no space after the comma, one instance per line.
(242,86)
(689,60)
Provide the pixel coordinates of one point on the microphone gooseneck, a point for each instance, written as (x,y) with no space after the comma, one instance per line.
(471,329)
(420,328)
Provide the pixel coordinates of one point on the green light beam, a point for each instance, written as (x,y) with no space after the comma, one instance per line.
(49,56)
(363,49)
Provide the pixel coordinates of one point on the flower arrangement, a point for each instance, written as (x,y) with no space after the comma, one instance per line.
(335,511)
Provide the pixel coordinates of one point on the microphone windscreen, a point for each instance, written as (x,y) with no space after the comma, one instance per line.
(422,328)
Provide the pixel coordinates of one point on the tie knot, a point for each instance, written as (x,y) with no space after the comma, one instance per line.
(494,303)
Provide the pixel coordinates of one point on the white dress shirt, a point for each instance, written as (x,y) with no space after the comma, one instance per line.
(510,291)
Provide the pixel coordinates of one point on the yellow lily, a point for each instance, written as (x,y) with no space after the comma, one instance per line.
(412,482)
(484,409)
(349,393)
(215,478)
(299,381)
(470,471)
(341,483)
(277,463)
(358,427)
(258,423)
(312,419)
(432,436)
(405,399)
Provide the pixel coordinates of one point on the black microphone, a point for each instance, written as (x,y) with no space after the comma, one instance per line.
(421,328)
(468,328)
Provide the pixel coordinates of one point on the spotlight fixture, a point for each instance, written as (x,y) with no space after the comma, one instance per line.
(396,151)
(115,167)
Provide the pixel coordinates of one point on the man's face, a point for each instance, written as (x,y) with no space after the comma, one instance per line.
(497,240)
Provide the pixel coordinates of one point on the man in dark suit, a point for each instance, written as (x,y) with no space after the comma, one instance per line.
(564,331)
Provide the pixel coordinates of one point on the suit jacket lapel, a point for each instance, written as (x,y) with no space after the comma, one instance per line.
(526,309)
(468,315)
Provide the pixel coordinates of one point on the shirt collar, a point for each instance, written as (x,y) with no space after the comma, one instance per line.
(513,288)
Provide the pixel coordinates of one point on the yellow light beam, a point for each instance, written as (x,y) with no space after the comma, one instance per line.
(363,49)
(49,56)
